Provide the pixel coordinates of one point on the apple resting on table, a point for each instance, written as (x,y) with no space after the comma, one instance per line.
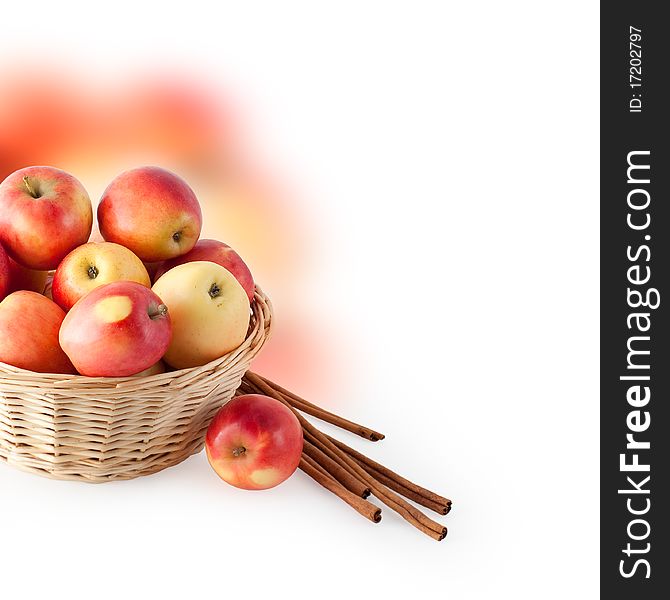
(44,214)
(152,212)
(254,442)
(118,329)
(91,266)
(29,324)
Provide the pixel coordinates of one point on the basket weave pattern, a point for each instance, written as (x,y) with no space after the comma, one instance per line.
(103,429)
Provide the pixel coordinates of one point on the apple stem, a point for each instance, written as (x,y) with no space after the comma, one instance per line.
(161,311)
(214,291)
(30,188)
(239,451)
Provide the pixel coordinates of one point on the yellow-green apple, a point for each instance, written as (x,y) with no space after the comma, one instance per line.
(92,265)
(118,329)
(44,214)
(156,369)
(254,442)
(209,311)
(29,325)
(151,211)
(21,278)
(219,253)
(4,273)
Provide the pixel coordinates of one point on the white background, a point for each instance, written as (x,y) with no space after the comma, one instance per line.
(451,151)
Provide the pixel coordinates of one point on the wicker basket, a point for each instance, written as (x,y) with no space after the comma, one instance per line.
(102,429)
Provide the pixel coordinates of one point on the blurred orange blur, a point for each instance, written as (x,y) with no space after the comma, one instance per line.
(95,131)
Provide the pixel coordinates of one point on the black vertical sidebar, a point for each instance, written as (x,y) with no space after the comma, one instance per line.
(635,297)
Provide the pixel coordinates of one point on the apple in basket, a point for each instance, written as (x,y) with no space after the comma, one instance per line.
(116,330)
(44,214)
(152,212)
(209,311)
(92,265)
(254,442)
(219,253)
(29,324)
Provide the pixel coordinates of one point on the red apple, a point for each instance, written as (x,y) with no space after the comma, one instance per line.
(118,329)
(21,278)
(92,265)
(4,273)
(151,211)
(44,214)
(29,324)
(219,253)
(254,442)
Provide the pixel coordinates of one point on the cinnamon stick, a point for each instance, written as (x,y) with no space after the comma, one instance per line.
(345,477)
(367,509)
(323,414)
(392,480)
(408,512)
(397,482)
(317,466)
(441,509)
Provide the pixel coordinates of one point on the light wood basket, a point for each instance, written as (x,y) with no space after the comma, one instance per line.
(111,428)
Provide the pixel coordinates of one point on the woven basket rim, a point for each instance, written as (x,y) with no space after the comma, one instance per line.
(256,311)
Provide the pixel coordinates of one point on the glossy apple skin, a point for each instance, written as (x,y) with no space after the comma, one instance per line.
(118,329)
(29,325)
(204,327)
(254,442)
(21,278)
(4,273)
(152,212)
(92,265)
(39,232)
(219,253)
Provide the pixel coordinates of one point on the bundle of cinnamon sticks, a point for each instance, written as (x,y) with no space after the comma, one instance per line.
(348,474)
